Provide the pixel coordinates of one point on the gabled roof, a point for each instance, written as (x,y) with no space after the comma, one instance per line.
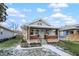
(38,26)
(36,20)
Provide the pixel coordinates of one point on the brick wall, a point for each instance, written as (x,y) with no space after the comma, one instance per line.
(34,37)
(50,37)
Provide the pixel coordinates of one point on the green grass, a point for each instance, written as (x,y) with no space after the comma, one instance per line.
(70,46)
(11,42)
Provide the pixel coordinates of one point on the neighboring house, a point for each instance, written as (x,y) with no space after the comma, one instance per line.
(70,32)
(18,32)
(38,31)
(6,33)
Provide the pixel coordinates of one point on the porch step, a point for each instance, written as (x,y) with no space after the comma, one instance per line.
(43,41)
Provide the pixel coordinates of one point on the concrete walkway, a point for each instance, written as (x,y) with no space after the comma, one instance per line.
(54,49)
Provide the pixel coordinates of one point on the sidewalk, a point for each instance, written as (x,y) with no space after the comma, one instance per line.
(54,49)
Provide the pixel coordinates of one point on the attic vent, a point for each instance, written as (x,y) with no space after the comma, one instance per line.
(39,20)
(39,23)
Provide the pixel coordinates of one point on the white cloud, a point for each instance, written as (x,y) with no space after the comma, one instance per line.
(45,17)
(68,18)
(58,15)
(12,20)
(58,5)
(71,22)
(3,24)
(27,10)
(59,19)
(22,15)
(23,20)
(14,12)
(56,10)
(40,10)
(57,22)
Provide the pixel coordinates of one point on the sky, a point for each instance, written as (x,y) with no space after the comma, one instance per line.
(56,14)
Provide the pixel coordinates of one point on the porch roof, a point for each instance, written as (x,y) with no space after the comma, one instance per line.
(70,27)
(42,27)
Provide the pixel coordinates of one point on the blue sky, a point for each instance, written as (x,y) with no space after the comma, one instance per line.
(57,14)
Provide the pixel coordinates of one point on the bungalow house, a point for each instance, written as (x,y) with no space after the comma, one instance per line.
(70,32)
(40,31)
(6,33)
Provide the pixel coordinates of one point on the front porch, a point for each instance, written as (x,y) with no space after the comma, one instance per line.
(42,35)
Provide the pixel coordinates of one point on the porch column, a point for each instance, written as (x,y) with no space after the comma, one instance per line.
(28,36)
(57,33)
(75,31)
(24,34)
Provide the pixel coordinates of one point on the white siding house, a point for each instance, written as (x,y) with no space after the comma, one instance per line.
(6,33)
(39,31)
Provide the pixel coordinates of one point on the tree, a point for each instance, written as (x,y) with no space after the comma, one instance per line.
(3,12)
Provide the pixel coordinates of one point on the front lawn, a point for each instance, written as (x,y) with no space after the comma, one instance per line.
(11,42)
(70,46)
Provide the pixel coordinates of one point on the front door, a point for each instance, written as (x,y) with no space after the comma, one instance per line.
(41,34)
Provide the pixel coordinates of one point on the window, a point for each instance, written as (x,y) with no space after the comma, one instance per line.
(37,31)
(47,31)
(1,31)
(62,33)
(31,32)
(71,32)
(78,31)
(67,32)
